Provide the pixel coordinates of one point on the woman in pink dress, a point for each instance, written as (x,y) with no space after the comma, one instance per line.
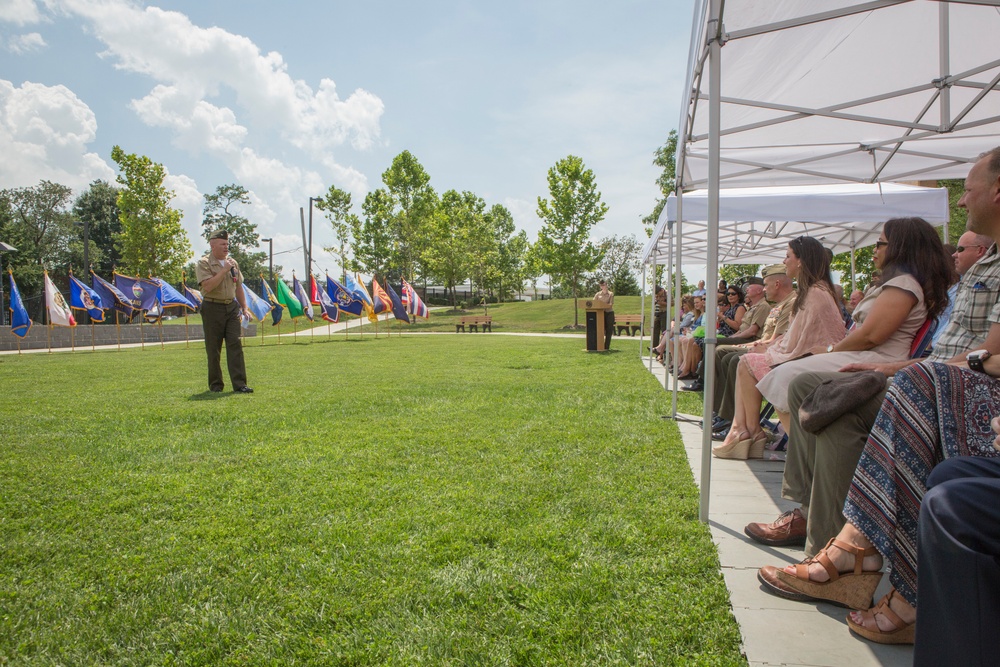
(816,321)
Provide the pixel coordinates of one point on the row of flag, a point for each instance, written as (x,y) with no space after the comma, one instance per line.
(351,297)
(152,296)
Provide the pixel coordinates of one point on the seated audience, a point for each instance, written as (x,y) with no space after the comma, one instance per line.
(932,412)
(815,322)
(819,465)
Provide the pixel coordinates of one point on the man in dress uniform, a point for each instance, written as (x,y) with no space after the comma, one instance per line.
(223,300)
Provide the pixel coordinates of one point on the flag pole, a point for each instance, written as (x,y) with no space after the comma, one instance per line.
(187,336)
(93,346)
(49,329)
(142,335)
(72,339)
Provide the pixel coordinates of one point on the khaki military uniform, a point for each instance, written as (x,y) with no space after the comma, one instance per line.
(220,314)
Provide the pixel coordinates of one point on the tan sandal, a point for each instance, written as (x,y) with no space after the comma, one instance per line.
(849,589)
(903,633)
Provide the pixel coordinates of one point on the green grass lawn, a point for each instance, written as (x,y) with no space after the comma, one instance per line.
(435,500)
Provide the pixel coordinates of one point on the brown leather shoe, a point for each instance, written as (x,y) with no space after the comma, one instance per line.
(789,529)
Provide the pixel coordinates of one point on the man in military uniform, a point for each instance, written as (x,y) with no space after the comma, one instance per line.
(223,300)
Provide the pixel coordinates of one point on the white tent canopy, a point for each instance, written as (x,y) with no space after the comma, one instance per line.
(756,224)
(814,91)
(792,92)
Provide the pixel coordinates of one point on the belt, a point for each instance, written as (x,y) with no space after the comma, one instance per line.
(224,302)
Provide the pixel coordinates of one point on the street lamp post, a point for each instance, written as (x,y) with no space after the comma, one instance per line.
(310,250)
(270,259)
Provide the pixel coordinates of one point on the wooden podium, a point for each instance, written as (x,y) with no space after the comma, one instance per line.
(595,325)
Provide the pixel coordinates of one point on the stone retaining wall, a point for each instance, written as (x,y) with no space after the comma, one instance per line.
(103,334)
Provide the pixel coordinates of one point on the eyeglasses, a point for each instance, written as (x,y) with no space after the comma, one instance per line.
(881,244)
(963,248)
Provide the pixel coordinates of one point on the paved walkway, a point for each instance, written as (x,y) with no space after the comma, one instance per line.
(775,631)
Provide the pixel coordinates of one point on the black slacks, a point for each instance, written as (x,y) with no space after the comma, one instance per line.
(221,322)
(958,565)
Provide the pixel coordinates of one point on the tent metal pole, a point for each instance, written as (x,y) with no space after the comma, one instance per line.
(712,270)
(676,237)
(854,278)
(642,311)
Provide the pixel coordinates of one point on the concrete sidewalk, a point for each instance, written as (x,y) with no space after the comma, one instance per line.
(775,631)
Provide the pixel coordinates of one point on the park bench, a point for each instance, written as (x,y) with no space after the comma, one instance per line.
(474,322)
(629,323)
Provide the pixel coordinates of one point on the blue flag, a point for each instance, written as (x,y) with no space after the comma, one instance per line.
(358,290)
(82,297)
(278,310)
(111,296)
(256,304)
(142,294)
(398,309)
(330,311)
(20,323)
(193,295)
(171,298)
(345,300)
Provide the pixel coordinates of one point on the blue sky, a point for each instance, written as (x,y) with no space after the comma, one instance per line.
(289,98)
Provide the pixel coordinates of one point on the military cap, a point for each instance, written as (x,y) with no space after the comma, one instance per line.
(773,270)
(219,234)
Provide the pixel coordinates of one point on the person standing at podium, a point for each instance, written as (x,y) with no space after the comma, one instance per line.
(607,297)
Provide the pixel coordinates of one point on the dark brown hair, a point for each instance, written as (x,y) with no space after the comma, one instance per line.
(814,268)
(914,247)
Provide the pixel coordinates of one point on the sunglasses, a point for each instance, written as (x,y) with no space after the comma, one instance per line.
(881,244)
(963,248)
(732,294)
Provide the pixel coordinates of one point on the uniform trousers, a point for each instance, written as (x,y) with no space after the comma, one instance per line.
(819,467)
(958,564)
(723,399)
(221,322)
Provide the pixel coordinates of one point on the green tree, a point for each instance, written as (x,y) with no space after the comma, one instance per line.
(864,264)
(37,221)
(532,269)
(152,241)
(565,249)
(512,248)
(958,216)
(373,239)
(336,204)
(732,273)
(222,211)
(446,258)
(98,206)
(413,200)
(619,264)
(666,159)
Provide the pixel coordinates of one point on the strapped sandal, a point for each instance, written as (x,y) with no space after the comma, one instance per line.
(903,633)
(848,589)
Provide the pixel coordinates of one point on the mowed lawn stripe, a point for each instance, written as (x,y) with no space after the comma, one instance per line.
(440,500)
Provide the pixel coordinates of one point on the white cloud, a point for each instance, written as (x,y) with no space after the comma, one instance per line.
(187,199)
(21,44)
(194,64)
(19,12)
(44,133)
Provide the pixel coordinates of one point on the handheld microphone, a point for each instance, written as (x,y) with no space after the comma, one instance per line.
(232,272)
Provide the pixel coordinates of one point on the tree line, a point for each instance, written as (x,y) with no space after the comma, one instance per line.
(403,229)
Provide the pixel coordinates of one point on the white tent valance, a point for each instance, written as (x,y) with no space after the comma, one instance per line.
(814,91)
(756,224)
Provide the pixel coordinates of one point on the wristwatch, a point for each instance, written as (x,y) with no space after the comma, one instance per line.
(976,358)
